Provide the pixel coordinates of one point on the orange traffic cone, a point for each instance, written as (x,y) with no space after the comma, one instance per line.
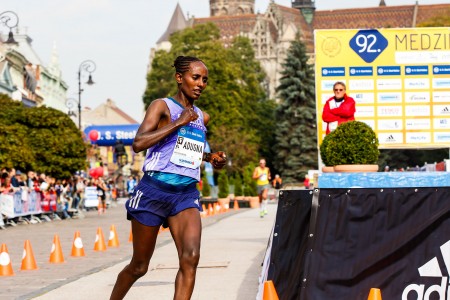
(28,262)
(236,205)
(269,291)
(5,262)
(99,241)
(113,238)
(56,255)
(130,238)
(77,246)
(204,213)
(210,210)
(217,208)
(374,294)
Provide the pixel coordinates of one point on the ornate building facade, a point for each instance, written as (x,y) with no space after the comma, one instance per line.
(271,32)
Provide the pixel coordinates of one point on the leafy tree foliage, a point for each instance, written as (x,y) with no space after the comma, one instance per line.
(235,100)
(41,139)
(442,20)
(296,116)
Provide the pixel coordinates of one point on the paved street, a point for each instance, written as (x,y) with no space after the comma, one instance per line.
(233,246)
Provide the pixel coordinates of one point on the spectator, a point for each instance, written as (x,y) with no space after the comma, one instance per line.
(276,184)
(131,184)
(338,109)
(306,182)
(119,153)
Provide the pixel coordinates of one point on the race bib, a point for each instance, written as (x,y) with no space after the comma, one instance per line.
(188,151)
(332,125)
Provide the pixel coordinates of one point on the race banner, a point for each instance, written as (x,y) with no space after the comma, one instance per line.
(398,77)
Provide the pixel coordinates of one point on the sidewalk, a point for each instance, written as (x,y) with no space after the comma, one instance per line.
(231,256)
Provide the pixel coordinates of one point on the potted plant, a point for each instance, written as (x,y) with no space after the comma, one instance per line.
(224,189)
(328,168)
(206,188)
(250,190)
(238,193)
(352,147)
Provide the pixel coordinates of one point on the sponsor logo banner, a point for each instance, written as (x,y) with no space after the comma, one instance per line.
(417,83)
(418,137)
(390,111)
(442,123)
(418,124)
(441,96)
(390,124)
(417,110)
(413,97)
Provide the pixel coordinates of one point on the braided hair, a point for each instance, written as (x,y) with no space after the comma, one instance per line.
(182,63)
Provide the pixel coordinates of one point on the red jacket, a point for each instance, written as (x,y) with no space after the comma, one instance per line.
(344,113)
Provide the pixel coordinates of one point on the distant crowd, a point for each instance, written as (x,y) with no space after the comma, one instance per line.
(68,194)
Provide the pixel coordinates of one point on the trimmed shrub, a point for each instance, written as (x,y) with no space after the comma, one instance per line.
(351,143)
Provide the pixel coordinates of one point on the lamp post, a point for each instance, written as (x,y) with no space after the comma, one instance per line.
(87,66)
(10,20)
(71,103)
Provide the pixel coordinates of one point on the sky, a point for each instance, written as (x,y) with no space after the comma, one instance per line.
(118,35)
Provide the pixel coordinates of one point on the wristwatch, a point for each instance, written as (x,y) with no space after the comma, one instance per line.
(207,157)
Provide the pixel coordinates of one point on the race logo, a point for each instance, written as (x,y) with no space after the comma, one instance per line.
(432,269)
(331,46)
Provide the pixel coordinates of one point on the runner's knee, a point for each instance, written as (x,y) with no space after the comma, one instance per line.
(190,258)
(138,270)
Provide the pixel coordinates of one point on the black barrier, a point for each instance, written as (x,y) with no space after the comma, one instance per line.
(290,242)
(395,239)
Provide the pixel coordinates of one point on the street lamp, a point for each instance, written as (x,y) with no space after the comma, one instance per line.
(88,66)
(10,20)
(71,103)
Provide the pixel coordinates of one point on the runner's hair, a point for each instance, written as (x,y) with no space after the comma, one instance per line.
(182,63)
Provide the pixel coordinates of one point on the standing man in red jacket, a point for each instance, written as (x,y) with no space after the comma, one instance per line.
(338,109)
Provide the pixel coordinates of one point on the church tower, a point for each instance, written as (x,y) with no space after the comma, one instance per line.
(306,7)
(231,7)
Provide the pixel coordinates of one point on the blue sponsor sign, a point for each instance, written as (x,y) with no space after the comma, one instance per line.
(416,70)
(441,70)
(107,135)
(388,70)
(329,72)
(368,44)
(361,71)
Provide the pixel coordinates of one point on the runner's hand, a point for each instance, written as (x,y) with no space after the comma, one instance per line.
(218,159)
(188,115)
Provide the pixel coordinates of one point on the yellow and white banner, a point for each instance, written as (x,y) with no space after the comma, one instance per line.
(398,77)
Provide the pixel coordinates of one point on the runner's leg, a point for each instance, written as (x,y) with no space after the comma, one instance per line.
(186,230)
(144,240)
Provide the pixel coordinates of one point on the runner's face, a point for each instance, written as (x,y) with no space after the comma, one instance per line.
(194,81)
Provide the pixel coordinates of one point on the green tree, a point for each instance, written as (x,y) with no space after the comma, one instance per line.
(41,139)
(296,138)
(234,94)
